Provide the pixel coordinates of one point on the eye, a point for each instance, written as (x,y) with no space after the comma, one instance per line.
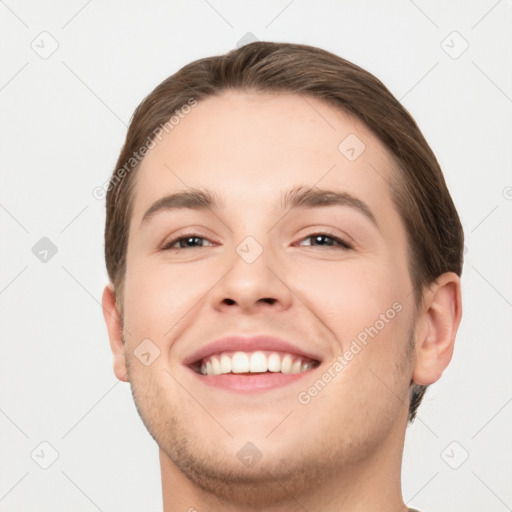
(327,240)
(194,240)
(187,241)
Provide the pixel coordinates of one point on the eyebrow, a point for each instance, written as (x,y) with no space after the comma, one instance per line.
(296,197)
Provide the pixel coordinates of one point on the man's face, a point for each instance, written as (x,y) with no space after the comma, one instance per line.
(256,270)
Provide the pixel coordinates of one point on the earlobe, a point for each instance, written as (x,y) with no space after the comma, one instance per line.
(440,319)
(115,332)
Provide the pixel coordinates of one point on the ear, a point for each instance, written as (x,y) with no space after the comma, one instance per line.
(438,323)
(115,332)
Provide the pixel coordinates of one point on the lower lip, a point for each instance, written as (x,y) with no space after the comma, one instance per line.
(250,382)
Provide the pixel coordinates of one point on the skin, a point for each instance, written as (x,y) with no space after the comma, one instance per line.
(342,450)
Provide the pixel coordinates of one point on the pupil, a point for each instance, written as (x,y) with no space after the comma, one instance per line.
(190,240)
(322,237)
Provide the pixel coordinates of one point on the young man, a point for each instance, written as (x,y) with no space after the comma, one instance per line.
(285,265)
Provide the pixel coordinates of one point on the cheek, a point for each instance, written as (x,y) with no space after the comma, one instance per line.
(158,296)
(367,309)
(349,296)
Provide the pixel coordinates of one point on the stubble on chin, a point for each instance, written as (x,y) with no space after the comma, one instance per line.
(222,476)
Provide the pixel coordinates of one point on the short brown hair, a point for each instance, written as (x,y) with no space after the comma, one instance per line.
(434,231)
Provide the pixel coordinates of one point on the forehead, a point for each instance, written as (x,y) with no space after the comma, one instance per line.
(250,147)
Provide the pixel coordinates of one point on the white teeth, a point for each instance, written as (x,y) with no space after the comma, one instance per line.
(216,365)
(274,362)
(286,364)
(296,366)
(239,363)
(225,364)
(258,362)
(306,365)
(254,362)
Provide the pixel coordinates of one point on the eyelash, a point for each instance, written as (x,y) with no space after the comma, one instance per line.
(343,244)
(340,241)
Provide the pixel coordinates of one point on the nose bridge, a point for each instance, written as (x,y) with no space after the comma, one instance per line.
(252,279)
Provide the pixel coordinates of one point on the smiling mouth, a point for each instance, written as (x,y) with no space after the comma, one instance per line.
(250,363)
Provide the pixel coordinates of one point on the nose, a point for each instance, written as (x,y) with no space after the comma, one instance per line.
(253,286)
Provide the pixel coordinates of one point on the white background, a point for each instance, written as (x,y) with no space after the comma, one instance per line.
(64,119)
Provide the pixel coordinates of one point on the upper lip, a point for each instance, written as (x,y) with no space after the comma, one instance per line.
(248,344)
